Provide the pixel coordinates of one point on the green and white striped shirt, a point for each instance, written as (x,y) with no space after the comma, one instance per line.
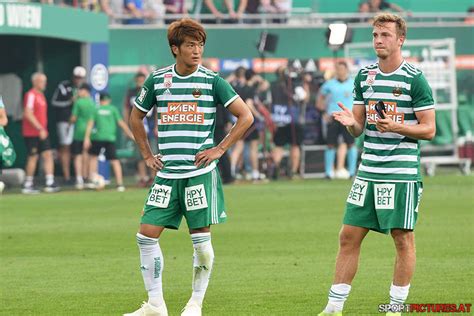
(391,156)
(186,107)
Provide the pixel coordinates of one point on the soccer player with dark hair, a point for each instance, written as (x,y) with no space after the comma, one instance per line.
(386,192)
(187,184)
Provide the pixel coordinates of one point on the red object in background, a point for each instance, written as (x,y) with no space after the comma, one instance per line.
(466,150)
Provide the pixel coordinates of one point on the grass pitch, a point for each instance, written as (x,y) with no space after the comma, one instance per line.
(74,253)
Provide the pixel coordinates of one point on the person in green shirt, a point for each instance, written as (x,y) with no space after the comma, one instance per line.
(7,152)
(101,134)
(83,110)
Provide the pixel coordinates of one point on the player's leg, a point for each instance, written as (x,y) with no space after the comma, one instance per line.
(30,167)
(76,151)
(341,157)
(117,168)
(65,139)
(111,155)
(203,259)
(330,152)
(204,204)
(295,150)
(48,165)
(162,209)
(351,151)
(397,205)
(405,261)
(235,156)
(254,159)
(347,261)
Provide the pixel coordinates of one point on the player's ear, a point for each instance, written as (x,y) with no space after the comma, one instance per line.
(175,49)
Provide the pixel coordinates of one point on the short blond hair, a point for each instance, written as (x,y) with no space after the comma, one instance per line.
(400,23)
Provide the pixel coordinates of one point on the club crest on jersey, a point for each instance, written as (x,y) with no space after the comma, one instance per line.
(371,77)
(397,91)
(390,109)
(197,93)
(168,80)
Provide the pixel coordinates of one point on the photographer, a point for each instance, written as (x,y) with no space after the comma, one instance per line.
(288,97)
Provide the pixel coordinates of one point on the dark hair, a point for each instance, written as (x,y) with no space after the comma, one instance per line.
(140,75)
(85,86)
(342,63)
(104,96)
(179,29)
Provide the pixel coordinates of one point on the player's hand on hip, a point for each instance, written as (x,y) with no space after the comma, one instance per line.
(204,158)
(345,117)
(154,162)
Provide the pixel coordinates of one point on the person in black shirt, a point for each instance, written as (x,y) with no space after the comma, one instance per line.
(62,101)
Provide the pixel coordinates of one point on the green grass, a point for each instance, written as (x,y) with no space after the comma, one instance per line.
(74,253)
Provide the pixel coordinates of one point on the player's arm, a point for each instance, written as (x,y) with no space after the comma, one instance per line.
(244,119)
(125,129)
(3,117)
(139,134)
(87,136)
(60,96)
(423,107)
(321,102)
(213,9)
(354,120)
(425,129)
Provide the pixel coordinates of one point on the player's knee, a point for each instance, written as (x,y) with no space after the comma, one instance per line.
(348,240)
(404,240)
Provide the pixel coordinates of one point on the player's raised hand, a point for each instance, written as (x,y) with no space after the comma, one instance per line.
(204,158)
(345,117)
(154,162)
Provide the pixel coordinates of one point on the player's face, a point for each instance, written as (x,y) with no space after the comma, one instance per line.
(190,52)
(139,81)
(40,82)
(386,41)
(341,72)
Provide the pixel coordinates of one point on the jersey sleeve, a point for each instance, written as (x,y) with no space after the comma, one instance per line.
(357,92)
(75,108)
(146,100)
(30,101)
(325,88)
(117,114)
(223,92)
(421,94)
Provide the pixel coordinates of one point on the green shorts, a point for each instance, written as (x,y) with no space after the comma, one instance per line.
(199,199)
(382,206)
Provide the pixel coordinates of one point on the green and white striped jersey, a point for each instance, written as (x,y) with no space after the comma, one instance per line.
(186,107)
(391,156)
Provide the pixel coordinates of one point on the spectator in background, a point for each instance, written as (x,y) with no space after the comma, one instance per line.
(62,101)
(134,8)
(219,8)
(285,115)
(105,120)
(82,112)
(7,152)
(338,89)
(145,175)
(383,5)
(253,7)
(154,10)
(174,7)
(114,9)
(35,134)
(223,126)
(280,7)
(470,19)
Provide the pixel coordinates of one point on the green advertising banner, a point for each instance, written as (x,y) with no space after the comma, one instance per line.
(52,21)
